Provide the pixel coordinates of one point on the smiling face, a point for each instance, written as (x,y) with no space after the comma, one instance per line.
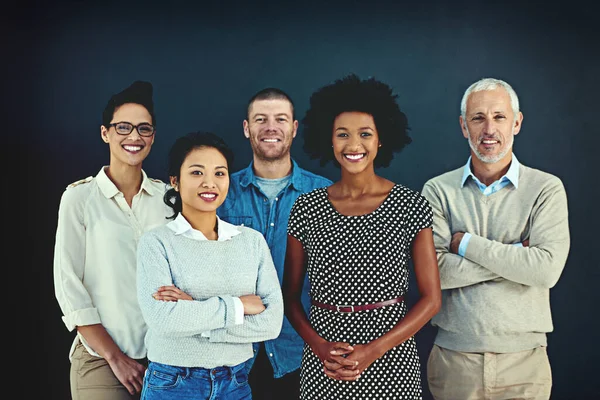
(129,149)
(203,181)
(355,141)
(270,127)
(490,125)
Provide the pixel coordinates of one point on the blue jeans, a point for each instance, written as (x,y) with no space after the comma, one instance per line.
(166,382)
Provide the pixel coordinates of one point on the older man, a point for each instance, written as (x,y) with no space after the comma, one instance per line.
(502,238)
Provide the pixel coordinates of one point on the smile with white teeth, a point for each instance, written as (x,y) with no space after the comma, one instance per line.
(354,157)
(271,140)
(132,148)
(489,141)
(208,196)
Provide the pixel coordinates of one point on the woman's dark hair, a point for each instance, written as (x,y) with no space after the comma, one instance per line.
(180,150)
(139,92)
(349,94)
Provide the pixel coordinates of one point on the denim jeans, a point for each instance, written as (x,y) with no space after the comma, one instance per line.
(166,382)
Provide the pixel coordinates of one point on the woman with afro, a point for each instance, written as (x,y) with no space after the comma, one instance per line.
(354,239)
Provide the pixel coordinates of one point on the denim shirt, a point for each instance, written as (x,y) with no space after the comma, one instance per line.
(247,205)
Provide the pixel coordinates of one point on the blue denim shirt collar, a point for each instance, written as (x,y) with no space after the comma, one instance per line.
(247,177)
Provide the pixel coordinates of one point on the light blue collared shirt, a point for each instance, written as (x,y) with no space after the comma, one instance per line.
(511,176)
(225,231)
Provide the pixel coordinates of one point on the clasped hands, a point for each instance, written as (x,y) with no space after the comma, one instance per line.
(344,362)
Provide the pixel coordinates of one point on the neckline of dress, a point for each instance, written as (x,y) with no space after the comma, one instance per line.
(359,215)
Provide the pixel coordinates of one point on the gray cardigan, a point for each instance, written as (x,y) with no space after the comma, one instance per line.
(212,272)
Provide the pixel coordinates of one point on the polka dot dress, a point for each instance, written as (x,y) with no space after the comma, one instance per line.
(356,260)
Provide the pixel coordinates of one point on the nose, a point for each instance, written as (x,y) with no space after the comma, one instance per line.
(354,143)
(270,125)
(488,126)
(134,135)
(208,182)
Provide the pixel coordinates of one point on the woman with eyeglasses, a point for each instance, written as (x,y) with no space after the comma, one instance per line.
(100,221)
(207,289)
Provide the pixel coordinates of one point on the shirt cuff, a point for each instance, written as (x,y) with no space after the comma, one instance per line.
(518,244)
(464,242)
(239,311)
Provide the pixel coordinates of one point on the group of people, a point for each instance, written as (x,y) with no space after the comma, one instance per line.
(273,282)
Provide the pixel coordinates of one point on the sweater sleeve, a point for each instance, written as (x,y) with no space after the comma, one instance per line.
(455,271)
(176,318)
(542,262)
(267,324)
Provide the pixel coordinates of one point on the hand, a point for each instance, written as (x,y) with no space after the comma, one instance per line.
(171,293)
(455,242)
(128,371)
(334,355)
(362,357)
(525,243)
(252,304)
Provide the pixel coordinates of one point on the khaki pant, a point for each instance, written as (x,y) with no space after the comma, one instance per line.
(453,375)
(93,379)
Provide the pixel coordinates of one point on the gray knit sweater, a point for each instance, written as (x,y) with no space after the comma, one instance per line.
(212,272)
(496,298)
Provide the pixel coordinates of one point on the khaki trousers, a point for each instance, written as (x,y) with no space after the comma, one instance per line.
(454,375)
(93,379)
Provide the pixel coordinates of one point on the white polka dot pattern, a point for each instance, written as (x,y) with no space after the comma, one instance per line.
(359,260)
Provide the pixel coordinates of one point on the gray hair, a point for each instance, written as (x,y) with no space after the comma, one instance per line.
(489,84)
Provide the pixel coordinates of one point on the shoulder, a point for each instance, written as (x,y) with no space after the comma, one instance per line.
(536,177)
(248,232)
(250,235)
(447,179)
(312,195)
(156,234)
(313,180)
(235,184)
(78,190)
(80,182)
(408,195)
(158,183)
(236,176)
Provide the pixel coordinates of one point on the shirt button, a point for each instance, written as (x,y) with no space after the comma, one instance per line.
(265,200)
(270,354)
(272,224)
(242,224)
(276,198)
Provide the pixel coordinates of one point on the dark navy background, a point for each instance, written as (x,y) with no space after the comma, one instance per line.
(62,62)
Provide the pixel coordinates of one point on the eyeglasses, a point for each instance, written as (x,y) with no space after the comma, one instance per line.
(125,128)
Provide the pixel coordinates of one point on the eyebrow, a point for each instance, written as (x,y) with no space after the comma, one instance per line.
(494,112)
(277,115)
(360,129)
(202,166)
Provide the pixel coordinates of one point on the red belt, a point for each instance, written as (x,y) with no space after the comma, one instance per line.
(348,309)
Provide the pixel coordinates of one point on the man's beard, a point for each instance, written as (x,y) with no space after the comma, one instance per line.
(270,156)
(492,159)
